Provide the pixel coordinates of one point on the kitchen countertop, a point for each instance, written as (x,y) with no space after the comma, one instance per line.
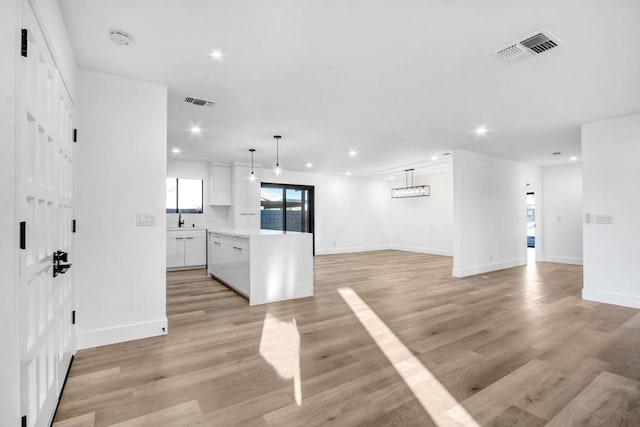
(247,233)
(184,228)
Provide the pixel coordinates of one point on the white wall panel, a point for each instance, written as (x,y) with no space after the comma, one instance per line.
(610,152)
(121,171)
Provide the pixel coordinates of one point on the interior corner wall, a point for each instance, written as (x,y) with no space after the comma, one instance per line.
(611,229)
(351,213)
(562,215)
(120,171)
(424,224)
(10,354)
(213,217)
(490,212)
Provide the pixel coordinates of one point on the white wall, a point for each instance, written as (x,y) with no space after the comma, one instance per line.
(424,224)
(351,214)
(50,16)
(562,216)
(213,216)
(10,354)
(120,170)
(610,153)
(490,212)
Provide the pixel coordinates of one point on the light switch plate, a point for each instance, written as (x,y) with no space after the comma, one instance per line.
(604,219)
(146,220)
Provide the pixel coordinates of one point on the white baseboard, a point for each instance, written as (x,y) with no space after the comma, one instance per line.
(122,333)
(479,269)
(331,251)
(561,259)
(430,251)
(608,297)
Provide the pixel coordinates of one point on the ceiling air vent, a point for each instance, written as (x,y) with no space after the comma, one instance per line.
(511,51)
(198,101)
(533,44)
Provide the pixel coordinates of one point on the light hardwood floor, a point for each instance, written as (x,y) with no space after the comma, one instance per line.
(514,347)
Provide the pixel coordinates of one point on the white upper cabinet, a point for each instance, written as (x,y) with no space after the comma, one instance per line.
(220,185)
(246,198)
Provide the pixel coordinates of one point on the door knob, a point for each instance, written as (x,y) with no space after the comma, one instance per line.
(60,257)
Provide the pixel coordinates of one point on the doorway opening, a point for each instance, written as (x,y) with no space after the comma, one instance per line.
(531,227)
(287,207)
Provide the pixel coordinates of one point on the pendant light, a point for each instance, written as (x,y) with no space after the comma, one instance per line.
(252,176)
(277,169)
(410,191)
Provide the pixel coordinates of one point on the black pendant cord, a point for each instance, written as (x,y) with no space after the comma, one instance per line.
(406,177)
(277,138)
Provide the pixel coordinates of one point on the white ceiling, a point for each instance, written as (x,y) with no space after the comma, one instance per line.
(398,81)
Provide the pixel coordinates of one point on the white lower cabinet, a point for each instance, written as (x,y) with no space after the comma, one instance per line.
(175,252)
(186,248)
(229,261)
(195,251)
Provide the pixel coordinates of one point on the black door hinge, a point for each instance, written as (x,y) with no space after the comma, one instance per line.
(73,225)
(73,317)
(23,235)
(24,417)
(75,135)
(25,42)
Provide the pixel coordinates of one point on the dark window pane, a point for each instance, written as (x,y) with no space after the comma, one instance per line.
(294,210)
(271,208)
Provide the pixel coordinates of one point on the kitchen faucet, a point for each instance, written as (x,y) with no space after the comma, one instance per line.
(180,220)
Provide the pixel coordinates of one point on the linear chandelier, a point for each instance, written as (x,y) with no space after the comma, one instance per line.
(410,191)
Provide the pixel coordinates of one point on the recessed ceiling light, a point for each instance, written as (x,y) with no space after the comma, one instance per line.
(195,129)
(353,153)
(434,157)
(216,54)
(348,173)
(481,130)
(309,165)
(573,158)
(175,151)
(390,178)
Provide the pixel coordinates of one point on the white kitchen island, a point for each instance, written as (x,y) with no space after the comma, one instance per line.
(264,265)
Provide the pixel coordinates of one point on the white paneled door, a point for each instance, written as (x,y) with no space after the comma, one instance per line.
(44,146)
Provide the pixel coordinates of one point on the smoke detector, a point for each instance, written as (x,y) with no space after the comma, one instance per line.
(120,38)
(533,44)
(198,101)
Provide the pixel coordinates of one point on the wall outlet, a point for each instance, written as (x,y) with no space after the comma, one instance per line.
(490,258)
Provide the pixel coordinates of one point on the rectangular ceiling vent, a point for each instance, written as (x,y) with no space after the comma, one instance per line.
(511,51)
(534,44)
(198,101)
